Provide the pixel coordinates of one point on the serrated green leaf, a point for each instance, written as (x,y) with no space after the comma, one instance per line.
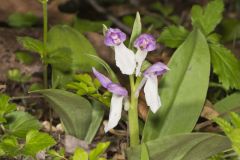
(207,18)
(80,154)
(100,149)
(173,36)
(17,76)
(189,69)
(136,31)
(24,57)
(5,106)
(19,123)
(22,20)
(10,146)
(226,66)
(84,78)
(225,125)
(31,44)
(190,146)
(235,119)
(37,141)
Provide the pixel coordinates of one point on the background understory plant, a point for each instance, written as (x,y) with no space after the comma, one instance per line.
(167,132)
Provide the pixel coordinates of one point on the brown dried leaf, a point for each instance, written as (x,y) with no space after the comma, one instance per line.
(71,143)
(208,111)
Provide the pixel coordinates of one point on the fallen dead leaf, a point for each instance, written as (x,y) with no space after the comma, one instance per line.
(71,143)
(208,112)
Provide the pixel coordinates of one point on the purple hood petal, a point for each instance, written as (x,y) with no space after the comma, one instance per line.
(109,85)
(117,89)
(105,81)
(114,37)
(156,69)
(145,42)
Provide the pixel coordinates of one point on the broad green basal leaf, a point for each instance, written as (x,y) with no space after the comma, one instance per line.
(80,118)
(182,90)
(228,103)
(63,36)
(97,116)
(74,111)
(191,146)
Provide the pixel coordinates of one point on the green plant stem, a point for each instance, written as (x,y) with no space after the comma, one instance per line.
(45,30)
(133,115)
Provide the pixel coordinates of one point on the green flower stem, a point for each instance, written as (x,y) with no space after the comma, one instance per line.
(133,115)
(45,30)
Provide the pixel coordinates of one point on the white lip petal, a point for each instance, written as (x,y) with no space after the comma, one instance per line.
(115,112)
(125,59)
(151,93)
(140,57)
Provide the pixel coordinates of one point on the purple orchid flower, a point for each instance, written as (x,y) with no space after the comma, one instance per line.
(151,85)
(119,95)
(144,44)
(125,58)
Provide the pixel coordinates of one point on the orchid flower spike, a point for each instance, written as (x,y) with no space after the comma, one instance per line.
(151,85)
(125,58)
(119,94)
(144,44)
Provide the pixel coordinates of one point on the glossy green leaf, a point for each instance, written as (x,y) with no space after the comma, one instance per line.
(228,103)
(136,31)
(19,123)
(37,141)
(63,36)
(80,154)
(22,20)
(189,72)
(207,18)
(191,146)
(173,36)
(97,116)
(74,111)
(226,66)
(31,44)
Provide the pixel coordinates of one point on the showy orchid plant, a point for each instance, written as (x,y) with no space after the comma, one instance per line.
(130,63)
